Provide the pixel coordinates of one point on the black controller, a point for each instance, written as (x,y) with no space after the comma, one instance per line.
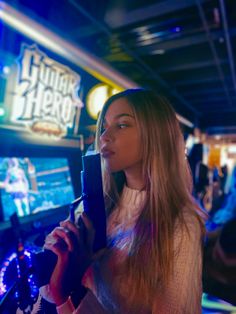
(93,203)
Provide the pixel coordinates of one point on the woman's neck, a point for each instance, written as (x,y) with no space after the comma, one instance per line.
(134,179)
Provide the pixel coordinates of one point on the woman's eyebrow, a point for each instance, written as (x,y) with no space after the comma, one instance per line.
(120,116)
(124,115)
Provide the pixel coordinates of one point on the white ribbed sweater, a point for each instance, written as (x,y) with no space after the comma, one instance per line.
(183,295)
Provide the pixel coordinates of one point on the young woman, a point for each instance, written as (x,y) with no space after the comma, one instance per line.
(153,261)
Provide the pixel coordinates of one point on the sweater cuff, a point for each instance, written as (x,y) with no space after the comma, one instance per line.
(66,308)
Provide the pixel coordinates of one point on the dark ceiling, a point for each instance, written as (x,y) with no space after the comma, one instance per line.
(182,48)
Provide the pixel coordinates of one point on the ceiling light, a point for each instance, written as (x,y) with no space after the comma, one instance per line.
(176,29)
(42,35)
(45,37)
(158,52)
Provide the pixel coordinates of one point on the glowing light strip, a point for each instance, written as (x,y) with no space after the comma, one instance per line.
(64,48)
(6,263)
(184,121)
(214,305)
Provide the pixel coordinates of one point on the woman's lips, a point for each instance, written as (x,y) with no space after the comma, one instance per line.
(106,153)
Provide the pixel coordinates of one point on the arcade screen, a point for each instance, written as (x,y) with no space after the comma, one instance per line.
(32,185)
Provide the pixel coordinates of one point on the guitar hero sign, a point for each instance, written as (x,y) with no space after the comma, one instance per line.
(46,94)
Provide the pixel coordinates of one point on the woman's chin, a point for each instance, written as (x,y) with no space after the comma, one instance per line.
(110,167)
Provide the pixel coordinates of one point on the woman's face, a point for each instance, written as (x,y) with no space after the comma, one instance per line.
(120,141)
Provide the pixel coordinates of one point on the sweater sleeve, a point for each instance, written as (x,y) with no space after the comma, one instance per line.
(66,308)
(184,291)
(89,305)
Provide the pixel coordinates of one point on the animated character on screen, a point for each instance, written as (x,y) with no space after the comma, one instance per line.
(17,185)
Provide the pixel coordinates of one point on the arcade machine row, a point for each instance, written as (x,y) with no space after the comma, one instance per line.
(49,92)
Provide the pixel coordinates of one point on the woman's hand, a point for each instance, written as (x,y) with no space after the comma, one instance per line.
(73,247)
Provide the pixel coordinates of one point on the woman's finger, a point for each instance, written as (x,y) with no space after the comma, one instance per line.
(67,236)
(49,240)
(59,248)
(58,237)
(67,224)
(70,226)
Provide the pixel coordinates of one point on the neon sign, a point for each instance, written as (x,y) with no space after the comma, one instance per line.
(46,94)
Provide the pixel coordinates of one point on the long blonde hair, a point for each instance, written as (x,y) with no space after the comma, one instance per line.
(168,185)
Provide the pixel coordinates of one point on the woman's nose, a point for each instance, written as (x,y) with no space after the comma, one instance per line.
(106,136)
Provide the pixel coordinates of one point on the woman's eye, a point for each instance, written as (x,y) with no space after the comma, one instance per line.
(122,125)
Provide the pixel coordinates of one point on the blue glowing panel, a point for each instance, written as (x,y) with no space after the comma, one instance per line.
(32,185)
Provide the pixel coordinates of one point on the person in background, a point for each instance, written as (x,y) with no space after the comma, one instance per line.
(219,271)
(228,209)
(17,185)
(153,259)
